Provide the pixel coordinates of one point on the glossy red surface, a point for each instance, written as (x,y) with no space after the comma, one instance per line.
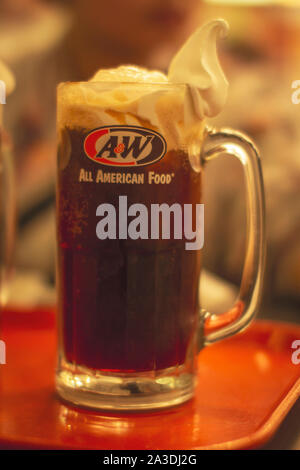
(246,386)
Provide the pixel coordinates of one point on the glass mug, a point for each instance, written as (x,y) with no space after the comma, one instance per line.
(130,324)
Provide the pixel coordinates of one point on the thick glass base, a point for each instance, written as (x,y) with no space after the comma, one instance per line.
(125,391)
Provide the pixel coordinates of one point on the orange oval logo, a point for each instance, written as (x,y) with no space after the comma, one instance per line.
(124,146)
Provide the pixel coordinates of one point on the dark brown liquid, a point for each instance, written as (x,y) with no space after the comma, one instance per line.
(126,305)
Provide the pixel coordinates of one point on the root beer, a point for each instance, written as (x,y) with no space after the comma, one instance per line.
(127,305)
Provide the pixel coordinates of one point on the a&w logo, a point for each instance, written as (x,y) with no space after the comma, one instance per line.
(124,146)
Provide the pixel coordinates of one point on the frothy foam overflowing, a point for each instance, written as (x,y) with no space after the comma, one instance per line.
(129,73)
(174,105)
(197,64)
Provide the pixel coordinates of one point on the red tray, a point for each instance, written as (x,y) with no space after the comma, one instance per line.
(247,384)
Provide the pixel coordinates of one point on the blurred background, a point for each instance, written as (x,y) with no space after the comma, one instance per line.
(45,42)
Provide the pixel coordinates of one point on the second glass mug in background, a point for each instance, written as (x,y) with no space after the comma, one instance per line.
(130,324)
(7,214)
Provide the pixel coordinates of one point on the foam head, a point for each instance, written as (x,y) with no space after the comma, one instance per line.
(175,105)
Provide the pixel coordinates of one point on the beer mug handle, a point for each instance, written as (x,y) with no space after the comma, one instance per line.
(233,143)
